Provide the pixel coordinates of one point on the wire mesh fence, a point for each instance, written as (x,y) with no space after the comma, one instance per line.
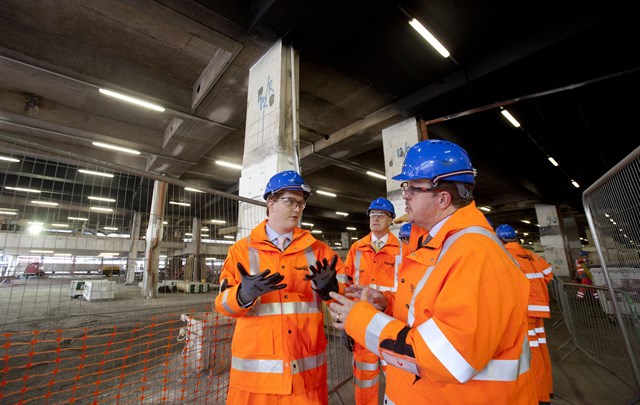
(76,327)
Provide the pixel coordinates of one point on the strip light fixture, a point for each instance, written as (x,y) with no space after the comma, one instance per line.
(180,203)
(102,209)
(328,194)
(77,219)
(195,190)
(132,100)
(344,214)
(91,197)
(26,190)
(9,159)
(428,36)
(228,164)
(510,118)
(85,171)
(218,221)
(376,175)
(115,147)
(38,202)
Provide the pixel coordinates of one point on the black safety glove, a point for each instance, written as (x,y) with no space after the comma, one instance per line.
(323,276)
(253,286)
(346,340)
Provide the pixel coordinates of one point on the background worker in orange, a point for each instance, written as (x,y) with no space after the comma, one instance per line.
(372,261)
(278,351)
(537,270)
(584,276)
(458,330)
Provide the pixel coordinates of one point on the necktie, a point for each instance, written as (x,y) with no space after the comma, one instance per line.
(281,241)
(377,245)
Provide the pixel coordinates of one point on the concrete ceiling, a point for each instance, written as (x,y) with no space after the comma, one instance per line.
(569,71)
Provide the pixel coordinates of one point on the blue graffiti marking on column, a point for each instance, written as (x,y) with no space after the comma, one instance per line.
(267,96)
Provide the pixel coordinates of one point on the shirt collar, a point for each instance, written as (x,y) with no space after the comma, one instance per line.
(273,235)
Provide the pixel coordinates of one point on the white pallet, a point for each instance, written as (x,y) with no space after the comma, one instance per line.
(95,290)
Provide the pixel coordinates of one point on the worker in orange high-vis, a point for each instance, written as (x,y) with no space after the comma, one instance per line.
(274,282)
(584,276)
(372,261)
(404,235)
(536,269)
(457,333)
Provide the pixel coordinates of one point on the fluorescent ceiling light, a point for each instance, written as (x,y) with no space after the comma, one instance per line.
(180,203)
(101,199)
(229,237)
(110,228)
(326,193)
(188,234)
(429,37)
(27,190)
(108,254)
(85,171)
(306,224)
(337,243)
(227,164)
(316,231)
(165,223)
(354,238)
(553,161)
(9,159)
(41,251)
(115,147)
(62,254)
(525,221)
(77,219)
(60,225)
(102,209)
(193,189)
(37,202)
(374,174)
(204,229)
(345,214)
(8,211)
(510,118)
(485,209)
(204,235)
(217,221)
(351,228)
(132,100)
(575,184)
(60,230)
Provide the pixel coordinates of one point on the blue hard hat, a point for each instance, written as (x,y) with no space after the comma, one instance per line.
(437,160)
(286,180)
(405,230)
(506,232)
(382,204)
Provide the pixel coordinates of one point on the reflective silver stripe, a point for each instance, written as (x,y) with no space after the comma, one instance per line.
(542,341)
(225,297)
(382,288)
(534,275)
(342,278)
(277,366)
(373,331)
(539,329)
(366,383)
(387,401)
(506,370)
(539,308)
(308,363)
(254,260)
(311,261)
(360,365)
(411,317)
(445,352)
(533,343)
(284,308)
(548,270)
(356,264)
(531,332)
(257,366)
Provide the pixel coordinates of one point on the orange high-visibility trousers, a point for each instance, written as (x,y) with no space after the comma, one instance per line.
(544,349)
(366,375)
(319,396)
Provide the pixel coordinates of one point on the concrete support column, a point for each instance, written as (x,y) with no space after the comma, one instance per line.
(153,239)
(553,240)
(132,257)
(396,141)
(271,135)
(192,271)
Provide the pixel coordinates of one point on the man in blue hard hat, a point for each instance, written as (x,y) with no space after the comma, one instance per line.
(372,261)
(455,331)
(273,283)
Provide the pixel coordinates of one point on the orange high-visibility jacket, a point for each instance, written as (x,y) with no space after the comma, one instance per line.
(378,270)
(461,314)
(535,268)
(279,343)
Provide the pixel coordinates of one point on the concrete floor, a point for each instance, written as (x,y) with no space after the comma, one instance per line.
(577,379)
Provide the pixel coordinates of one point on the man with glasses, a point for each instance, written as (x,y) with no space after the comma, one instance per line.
(455,332)
(372,261)
(273,282)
